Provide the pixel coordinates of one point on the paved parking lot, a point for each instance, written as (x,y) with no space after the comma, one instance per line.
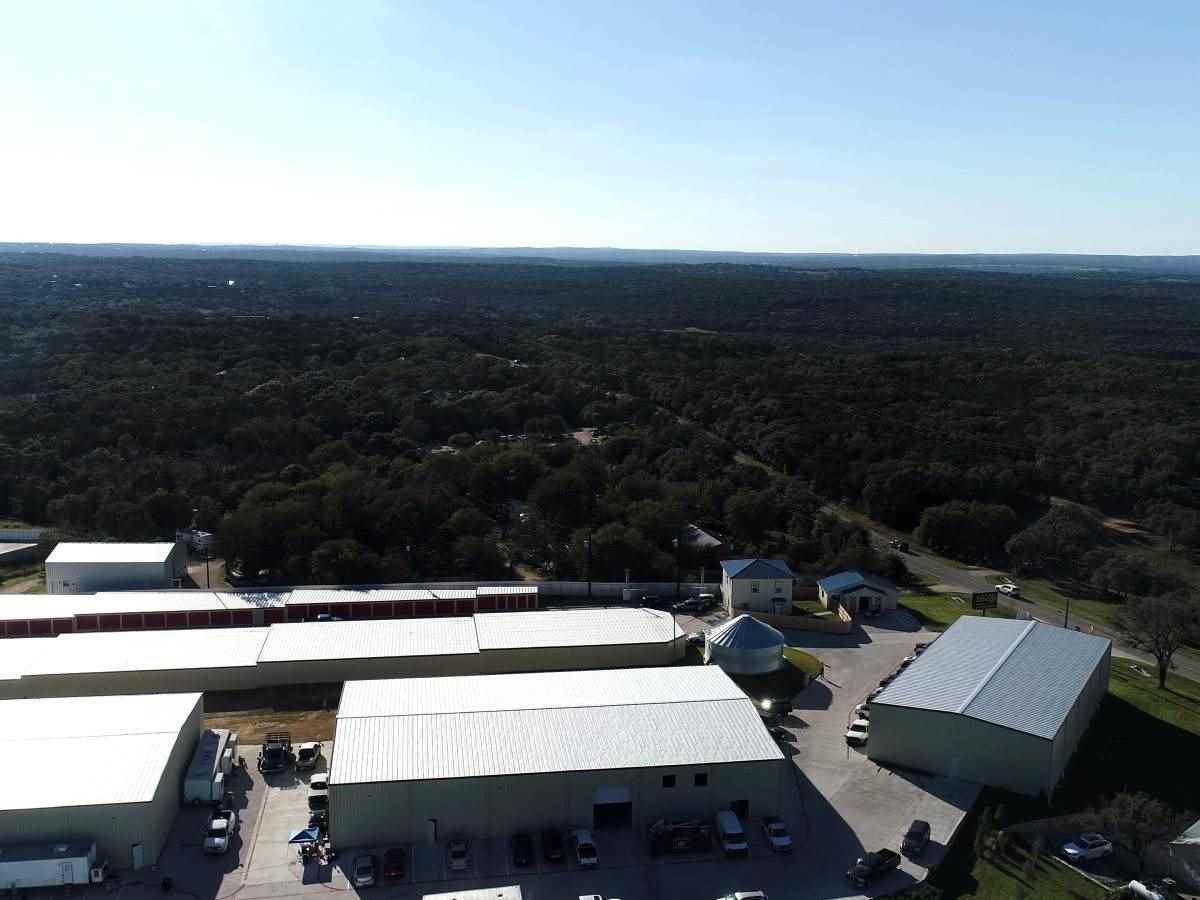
(840,805)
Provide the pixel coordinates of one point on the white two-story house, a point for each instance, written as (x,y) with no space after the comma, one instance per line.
(757,585)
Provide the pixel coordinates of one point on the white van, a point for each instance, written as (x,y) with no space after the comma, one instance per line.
(730,834)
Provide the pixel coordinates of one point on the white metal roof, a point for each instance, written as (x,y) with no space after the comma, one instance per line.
(505,590)
(39,606)
(555,733)
(66,771)
(574,628)
(453,593)
(150,601)
(252,599)
(88,751)
(145,651)
(392,595)
(1021,675)
(365,639)
(746,633)
(328,595)
(534,690)
(98,552)
(57,717)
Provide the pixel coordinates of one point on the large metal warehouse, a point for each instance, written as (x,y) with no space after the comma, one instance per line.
(82,568)
(1000,702)
(230,659)
(422,760)
(104,768)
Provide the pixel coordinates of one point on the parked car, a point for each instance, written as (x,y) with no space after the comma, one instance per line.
(856,734)
(522,849)
(585,848)
(872,867)
(307,755)
(908,661)
(221,828)
(916,839)
(863,711)
(777,834)
(363,871)
(1087,846)
(1009,588)
(730,833)
(776,706)
(920,648)
(552,845)
(393,863)
(745,895)
(458,854)
(696,637)
(318,792)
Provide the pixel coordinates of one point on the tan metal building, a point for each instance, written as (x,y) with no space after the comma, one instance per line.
(103,768)
(423,760)
(229,659)
(1000,702)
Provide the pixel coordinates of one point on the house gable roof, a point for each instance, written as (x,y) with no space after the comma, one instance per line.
(756,568)
(845,581)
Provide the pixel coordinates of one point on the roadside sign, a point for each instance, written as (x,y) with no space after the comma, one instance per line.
(985,600)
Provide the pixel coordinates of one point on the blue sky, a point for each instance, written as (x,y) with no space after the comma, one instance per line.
(859,126)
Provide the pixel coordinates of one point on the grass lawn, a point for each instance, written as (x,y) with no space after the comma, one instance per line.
(26,578)
(963,875)
(939,611)
(1055,594)
(811,607)
(803,661)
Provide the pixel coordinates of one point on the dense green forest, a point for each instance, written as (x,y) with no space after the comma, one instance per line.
(380,421)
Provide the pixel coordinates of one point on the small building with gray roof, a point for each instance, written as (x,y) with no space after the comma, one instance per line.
(1000,702)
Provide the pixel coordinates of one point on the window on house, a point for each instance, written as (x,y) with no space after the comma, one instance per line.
(668,781)
(754,587)
(779,588)
(700,779)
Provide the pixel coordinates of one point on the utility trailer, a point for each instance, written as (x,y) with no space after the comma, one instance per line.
(204,781)
(50,865)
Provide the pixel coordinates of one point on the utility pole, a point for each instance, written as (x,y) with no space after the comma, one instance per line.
(207,574)
(587,546)
(675,544)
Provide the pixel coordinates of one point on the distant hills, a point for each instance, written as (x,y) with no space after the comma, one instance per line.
(1034,263)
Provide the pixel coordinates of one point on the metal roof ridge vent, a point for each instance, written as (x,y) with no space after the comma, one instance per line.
(983,682)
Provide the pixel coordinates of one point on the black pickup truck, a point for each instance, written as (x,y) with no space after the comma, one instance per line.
(276,755)
(872,867)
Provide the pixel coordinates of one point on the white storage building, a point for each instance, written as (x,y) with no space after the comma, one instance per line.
(1001,702)
(101,768)
(229,659)
(83,568)
(422,760)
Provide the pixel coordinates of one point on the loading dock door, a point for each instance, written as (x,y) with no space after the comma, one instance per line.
(612,807)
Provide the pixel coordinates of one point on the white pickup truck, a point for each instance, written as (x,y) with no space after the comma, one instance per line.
(221,829)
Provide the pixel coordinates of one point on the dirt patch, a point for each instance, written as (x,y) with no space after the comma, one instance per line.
(253,724)
(584,436)
(1125,526)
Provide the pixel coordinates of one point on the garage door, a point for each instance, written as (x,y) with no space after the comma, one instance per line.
(612,807)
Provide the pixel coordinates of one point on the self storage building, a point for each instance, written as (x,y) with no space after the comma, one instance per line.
(484,756)
(1000,702)
(231,659)
(102,768)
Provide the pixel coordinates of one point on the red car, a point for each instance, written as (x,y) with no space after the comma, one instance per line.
(393,863)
